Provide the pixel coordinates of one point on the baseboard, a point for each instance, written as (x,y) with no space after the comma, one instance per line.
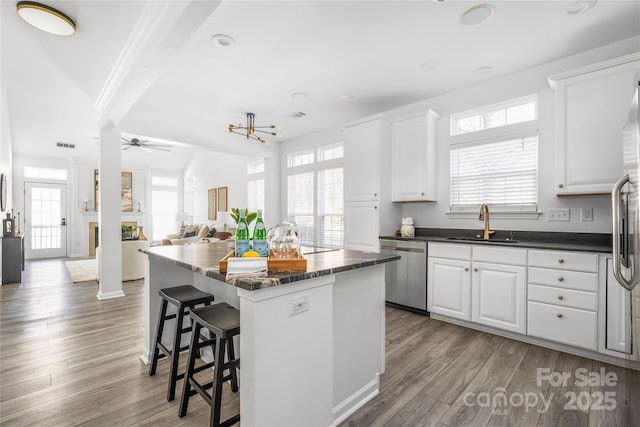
(110,295)
(357,400)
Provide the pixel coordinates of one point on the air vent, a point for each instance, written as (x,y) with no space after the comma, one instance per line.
(297,114)
(65,145)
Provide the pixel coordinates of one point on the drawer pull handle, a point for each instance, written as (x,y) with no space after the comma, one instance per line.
(475,269)
(561,261)
(560,297)
(466,269)
(560,279)
(559,316)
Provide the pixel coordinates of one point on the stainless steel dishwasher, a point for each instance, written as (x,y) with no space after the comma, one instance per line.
(406,279)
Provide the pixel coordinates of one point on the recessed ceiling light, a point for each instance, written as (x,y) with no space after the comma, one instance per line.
(482,71)
(429,65)
(477,14)
(46,18)
(223,40)
(345,97)
(578,7)
(300,96)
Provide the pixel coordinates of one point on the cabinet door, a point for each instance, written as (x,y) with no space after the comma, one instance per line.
(362,161)
(413,159)
(449,287)
(591,109)
(361,226)
(618,314)
(498,296)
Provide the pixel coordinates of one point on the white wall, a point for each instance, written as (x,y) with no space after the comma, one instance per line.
(534,80)
(6,157)
(214,169)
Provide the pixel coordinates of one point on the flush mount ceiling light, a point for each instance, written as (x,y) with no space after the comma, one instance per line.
(578,7)
(482,71)
(345,97)
(46,18)
(299,96)
(249,131)
(223,41)
(429,65)
(477,14)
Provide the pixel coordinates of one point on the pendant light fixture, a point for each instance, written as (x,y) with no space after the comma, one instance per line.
(249,131)
(46,18)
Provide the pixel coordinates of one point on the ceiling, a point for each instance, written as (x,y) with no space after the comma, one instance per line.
(385,54)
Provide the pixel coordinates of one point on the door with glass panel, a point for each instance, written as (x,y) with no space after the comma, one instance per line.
(45,220)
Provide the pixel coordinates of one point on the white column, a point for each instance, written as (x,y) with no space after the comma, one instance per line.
(109,215)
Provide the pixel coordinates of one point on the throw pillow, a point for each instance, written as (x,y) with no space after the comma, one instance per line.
(211,232)
(203,231)
(190,231)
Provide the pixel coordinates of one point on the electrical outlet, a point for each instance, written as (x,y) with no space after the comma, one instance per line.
(298,305)
(586,214)
(558,214)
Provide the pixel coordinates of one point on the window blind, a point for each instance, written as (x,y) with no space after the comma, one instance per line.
(503,174)
(300,206)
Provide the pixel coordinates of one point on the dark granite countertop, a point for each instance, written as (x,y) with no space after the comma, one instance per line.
(204,259)
(586,242)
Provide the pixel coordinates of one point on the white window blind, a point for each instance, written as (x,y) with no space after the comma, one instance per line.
(503,174)
(255,185)
(496,115)
(300,195)
(330,206)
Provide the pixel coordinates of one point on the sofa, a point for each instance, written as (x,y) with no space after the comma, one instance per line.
(191,233)
(133,261)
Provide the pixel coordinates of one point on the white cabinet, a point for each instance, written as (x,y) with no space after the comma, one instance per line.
(591,107)
(563,300)
(618,318)
(413,158)
(498,296)
(449,287)
(361,225)
(368,211)
(489,291)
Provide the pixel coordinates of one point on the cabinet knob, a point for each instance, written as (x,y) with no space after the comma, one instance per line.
(375,207)
(560,297)
(560,279)
(561,261)
(375,194)
(559,316)
(475,269)
(466,269)
(560,185)
(422,194)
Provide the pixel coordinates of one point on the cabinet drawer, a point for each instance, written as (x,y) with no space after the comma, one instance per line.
(564,279)
(562,324)
(564,297)
(500,255)
(450,250)
(566,260)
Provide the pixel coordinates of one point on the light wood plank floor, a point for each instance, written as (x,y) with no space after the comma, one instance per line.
(67,358)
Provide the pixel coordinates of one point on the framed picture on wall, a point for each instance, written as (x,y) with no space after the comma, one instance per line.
(222,199)
(126,190)
(213,204)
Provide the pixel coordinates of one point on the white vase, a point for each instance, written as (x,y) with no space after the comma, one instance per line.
(407,231)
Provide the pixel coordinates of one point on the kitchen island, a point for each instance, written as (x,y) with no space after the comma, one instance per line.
(311,344)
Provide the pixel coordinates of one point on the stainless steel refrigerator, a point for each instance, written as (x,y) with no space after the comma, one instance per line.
(626,265)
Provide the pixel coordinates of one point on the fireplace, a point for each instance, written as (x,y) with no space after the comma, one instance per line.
(94,235)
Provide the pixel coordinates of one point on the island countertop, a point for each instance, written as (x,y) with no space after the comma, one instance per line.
(205,258)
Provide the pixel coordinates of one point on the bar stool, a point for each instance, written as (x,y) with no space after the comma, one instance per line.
(184,297)
(223,323)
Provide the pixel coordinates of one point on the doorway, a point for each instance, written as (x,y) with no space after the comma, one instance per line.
(45,220)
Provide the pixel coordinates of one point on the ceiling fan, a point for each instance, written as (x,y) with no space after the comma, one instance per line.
(144,145)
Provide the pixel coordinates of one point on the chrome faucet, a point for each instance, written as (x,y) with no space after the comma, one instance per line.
(484,216)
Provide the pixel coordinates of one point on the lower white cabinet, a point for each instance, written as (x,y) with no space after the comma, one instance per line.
(498,296)
(362,226)
(449,287)
(563,324)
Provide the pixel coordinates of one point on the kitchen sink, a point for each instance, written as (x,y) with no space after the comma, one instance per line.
(480,239)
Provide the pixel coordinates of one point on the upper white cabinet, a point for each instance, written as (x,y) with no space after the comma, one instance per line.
(591,108)
(368,211)
(413,158)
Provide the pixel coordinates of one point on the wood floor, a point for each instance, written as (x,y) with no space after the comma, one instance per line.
(67,358)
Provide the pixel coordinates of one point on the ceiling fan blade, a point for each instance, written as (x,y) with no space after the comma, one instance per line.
(145,149)
(126,147)
(125,139)
(158,145)
(161,149)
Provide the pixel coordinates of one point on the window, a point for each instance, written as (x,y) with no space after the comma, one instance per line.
(45,173)
(315,194)
(502,114)
(255,186)
(502,173)
(164,206)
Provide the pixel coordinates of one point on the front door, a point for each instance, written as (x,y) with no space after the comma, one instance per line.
(45,220)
